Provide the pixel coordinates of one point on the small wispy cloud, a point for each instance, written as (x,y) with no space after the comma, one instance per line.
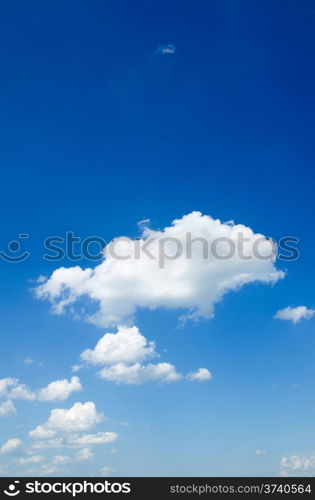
(166,49)
(106,471)
(76,368)
(295,314)
(260,452)
(29,361)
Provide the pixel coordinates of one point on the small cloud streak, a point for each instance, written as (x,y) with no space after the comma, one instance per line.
(295,314)
(166,49)
(260,452)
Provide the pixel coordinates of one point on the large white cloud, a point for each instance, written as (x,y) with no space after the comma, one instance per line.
(59,390)
(80,417)
(193,282)
(138,374)
(125,346)
(295,314)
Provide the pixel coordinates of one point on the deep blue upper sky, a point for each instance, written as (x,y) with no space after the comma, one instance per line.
(84,98)
(98,131)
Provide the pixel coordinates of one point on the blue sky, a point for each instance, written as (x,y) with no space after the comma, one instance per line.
(100,129)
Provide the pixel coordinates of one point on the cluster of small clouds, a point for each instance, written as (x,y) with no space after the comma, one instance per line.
(123,354)
(31,361)
(119,288)
(12,388)
(297,465)
(68,428)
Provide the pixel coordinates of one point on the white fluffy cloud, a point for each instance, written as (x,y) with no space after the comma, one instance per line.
(66,427)
(13,389)
(122,352)
(125,346)
(7,408)
(193,282)
(295,314)
(80,417)
(41,433)
(59,390)
(10,446)
(138,374)
(201,375)
(20,391)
